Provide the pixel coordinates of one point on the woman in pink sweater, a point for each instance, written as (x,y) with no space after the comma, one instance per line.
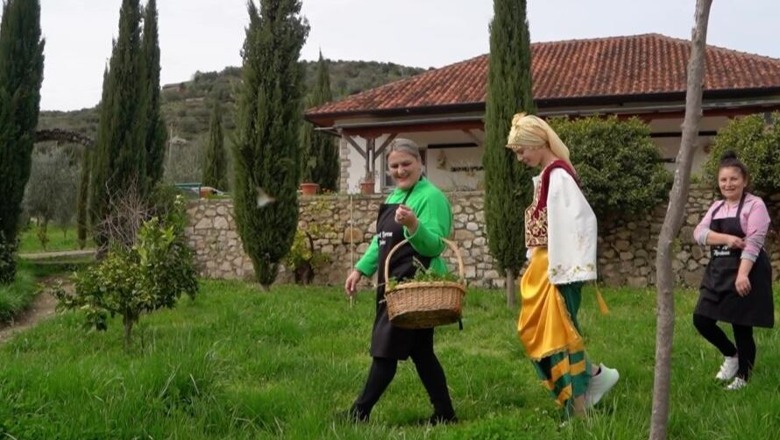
(737,284)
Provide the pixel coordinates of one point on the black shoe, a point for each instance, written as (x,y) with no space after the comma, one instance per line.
(441,419)
(353,415)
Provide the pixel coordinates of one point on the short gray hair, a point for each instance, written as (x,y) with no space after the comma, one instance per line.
(407,146)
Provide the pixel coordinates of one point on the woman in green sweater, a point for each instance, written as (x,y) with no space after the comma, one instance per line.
(420,213)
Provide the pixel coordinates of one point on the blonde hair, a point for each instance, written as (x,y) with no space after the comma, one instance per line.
(529,131)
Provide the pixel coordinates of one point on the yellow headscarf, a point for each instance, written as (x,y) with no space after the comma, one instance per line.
(532,131)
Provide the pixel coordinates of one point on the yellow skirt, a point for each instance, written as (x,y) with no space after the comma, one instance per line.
(545,326)
(549,334)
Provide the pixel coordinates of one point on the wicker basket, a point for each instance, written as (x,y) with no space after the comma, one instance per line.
(425,304)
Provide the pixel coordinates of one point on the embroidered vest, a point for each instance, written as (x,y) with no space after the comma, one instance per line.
(536,213)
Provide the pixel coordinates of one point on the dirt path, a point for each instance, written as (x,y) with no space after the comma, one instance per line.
(42,308)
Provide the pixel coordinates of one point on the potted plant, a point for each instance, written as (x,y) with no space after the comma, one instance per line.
(368,183)
(308,187)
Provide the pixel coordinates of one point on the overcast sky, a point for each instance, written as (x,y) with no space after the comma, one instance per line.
(206,35)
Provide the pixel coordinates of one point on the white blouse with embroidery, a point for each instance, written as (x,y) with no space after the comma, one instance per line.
(572,230)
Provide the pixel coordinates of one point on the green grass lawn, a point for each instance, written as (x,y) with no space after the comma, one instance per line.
(240,364)
(58,240)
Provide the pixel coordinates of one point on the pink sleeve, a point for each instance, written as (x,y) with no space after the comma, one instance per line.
(703,228)
(755,224)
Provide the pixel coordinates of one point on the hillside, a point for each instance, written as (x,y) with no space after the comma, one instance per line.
(186,105)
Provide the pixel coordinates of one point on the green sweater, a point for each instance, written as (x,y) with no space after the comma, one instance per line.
(434,215)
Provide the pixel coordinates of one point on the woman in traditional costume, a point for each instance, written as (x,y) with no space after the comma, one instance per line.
(561,237)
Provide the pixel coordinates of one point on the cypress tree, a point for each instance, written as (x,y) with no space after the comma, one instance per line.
(323,154)
(266,149)
(154,124)
(81,207)
(118,162)
(215,160)
(508,188)
(21,74)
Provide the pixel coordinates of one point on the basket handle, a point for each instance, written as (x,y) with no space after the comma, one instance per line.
(451,244)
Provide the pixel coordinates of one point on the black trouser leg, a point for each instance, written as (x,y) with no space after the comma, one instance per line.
(432,376)
(708,328)
(379,377)
(746,347)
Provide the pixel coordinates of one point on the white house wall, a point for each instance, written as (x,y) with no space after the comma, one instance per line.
(467,158)
(668,146)
(467,161)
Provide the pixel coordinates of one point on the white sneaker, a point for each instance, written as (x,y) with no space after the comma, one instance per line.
(728,369)
(736,384)
(600,384)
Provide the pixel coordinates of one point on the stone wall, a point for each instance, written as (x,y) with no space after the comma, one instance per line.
(346,224)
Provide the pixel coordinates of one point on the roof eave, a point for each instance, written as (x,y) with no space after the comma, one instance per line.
(318,118)
(328,119)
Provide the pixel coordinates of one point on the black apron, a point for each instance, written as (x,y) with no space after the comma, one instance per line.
(388,341)
(718,297)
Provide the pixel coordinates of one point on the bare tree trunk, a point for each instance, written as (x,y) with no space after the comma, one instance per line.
(672,223)
(511,289)
(128,326)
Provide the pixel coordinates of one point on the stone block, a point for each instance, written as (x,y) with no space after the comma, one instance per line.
(352,235)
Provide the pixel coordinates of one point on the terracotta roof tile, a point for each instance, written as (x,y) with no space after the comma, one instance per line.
(617,66)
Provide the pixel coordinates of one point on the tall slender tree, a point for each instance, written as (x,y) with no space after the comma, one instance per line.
(119,162)
(153,122)
(507,184)
(266,148)
(321,157)
(82,222)
(659,419)
(21,74)
(215,159)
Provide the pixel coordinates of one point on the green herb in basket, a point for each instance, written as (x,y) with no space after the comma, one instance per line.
(422,274)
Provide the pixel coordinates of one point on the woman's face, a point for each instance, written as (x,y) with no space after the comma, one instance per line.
(731,183)
(404,168)
(531,156)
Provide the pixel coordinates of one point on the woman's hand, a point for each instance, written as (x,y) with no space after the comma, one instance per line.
(350,286)
(405,216)
(742,284)
(735,242)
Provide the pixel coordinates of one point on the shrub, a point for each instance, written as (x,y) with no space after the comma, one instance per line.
(756,145)
(619,166)
(303,259)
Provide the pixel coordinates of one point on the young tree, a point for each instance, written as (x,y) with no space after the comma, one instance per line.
(215,161)
(21,74)
(153,128)
(673,222)
(147,276)
(266,148)
(321,156)
(118,162)
(51,190)
(508,188)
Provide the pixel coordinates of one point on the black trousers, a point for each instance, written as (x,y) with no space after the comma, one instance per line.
(428,368)
(743,336)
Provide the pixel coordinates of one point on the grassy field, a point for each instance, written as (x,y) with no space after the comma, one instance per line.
(240,364)
(58,240)
(18,296)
